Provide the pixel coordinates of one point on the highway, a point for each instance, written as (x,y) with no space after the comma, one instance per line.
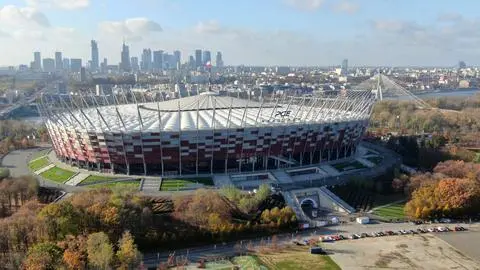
(225,250)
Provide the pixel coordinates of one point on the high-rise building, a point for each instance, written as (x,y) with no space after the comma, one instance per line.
(125,64)
(462,65)
(37,61)
(207,57)
(146,60)
(95,57)
(219,60)
(58,61)
(75,64)
(169,61)
(191,61)
(345,67)
(104,65)
(49,65)
(66,64)
(158,60)
(178,58)
(83,74)
(134,63)
(198,58)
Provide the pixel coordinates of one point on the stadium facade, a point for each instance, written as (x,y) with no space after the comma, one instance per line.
(133,133)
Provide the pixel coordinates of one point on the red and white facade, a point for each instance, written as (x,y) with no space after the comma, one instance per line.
(206,133)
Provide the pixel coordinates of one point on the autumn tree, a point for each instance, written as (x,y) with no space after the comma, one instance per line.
(99,250)
(61,219)
(75,254)
(43,256)
(128,255)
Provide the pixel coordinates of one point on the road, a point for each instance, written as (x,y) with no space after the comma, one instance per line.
(223,250)
(16,161)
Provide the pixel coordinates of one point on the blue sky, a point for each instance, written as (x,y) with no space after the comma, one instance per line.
(256,32)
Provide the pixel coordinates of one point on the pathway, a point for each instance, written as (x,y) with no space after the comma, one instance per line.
(44,169)
(77,179)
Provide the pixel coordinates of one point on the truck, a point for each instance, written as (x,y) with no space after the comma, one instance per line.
(363,220)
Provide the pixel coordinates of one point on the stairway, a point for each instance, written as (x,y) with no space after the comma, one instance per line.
(151,184)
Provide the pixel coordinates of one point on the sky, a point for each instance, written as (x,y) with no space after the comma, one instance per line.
(250,32)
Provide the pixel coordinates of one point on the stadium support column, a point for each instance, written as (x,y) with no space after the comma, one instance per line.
(160,136)
(198,134)
(228,133)
(213,136)
(179,138)
(141,133)
(264,160)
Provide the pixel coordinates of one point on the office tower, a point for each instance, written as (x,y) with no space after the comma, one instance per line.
(191,61)
(49,65)
(83,74)
(125,64)
(169,61)
(207,57)
(58,61)
(146,60)
(134,63)
(219,60)
(37,61)
(104,65)
(178,59)
(158,60)
(75,64)
(345,67)
(198,58)
(95,57)
(66,64)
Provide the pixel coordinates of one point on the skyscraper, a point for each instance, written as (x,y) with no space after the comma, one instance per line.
(134,63)
(75,64)
(49,65)
(58,61)
(178,59)
(66,64)
(37,61)
(219,60)
(345,67)
(125,64)
(95,57)
(207,57)
(147,60)
(158,60)
(198,58)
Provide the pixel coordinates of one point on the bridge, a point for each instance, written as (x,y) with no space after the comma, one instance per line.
(384,86)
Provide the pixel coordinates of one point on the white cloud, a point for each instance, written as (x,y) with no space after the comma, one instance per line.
(12,16)
(62,4)
(134,29)
(208,27)
(306,5)
(346,7)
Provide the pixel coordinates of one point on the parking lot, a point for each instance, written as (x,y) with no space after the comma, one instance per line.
(419,251)
(467,243)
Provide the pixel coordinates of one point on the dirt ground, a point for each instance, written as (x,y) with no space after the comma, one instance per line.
(424,251)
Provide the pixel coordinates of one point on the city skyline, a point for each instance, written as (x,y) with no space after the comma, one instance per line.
(271,32)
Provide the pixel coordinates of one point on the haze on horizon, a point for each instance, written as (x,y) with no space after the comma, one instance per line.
(267,32)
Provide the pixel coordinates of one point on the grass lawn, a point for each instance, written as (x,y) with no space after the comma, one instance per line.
(297,258)
(375,160)
(174,184)
(57,174)
(248,262)
(38,164)
(393,211)
(133,185)
(348,166)
(96,178)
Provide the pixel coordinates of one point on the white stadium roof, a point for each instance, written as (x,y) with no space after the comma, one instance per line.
(204,112)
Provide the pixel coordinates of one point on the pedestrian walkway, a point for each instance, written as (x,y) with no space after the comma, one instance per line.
(222,180)
(77,179)
(151,184)
(44,169)
(365,162)
(282,177)
(330,170)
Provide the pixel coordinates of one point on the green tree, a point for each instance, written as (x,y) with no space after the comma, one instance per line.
(99,250)
(128,255)
(44,256)
(61,219)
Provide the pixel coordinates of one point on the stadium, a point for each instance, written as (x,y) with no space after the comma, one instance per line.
(143,134)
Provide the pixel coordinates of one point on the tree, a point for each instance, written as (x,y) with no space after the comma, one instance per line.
(61,219)
(43,256)
(128,255)
(99,250)
(75,252)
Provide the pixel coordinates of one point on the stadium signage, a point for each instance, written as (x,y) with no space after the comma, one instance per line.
(283,113)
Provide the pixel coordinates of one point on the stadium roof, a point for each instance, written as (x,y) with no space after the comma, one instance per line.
(206,112)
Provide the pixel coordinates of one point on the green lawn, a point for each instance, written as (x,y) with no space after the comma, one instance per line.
(178,184)
(133,185)
(375,160)
(96,178)
(248,262)
(393,211)
(57,174)
(38,164)
(296,258)
(348,166)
